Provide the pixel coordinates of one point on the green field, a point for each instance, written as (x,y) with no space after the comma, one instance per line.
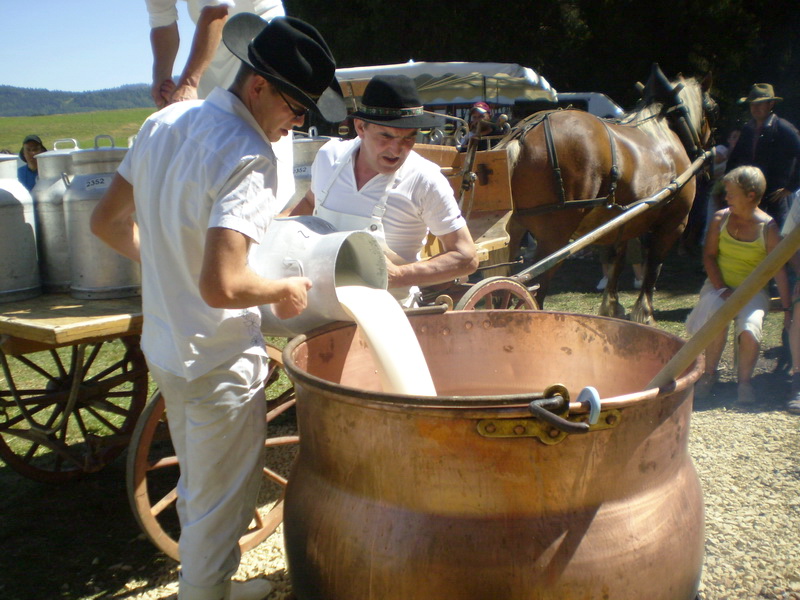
(83,127)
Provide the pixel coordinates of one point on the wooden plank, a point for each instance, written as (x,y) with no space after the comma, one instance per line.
(59,320)
(492,189)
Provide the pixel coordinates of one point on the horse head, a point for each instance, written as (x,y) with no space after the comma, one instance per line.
(687,105)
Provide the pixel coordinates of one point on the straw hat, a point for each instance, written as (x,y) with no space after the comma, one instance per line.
(761,92)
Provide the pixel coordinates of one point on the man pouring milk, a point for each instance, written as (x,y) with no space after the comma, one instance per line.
(376,182)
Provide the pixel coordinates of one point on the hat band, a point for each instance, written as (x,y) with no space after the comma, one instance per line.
(264,66)
(377,111)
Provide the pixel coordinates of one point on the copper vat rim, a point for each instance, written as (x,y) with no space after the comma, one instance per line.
(510,405)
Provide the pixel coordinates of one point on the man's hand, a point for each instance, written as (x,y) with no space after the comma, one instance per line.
(183,92)
(161,92)
(295,298)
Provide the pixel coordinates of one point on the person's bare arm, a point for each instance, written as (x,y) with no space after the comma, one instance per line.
(304,207)
(457,259)
(207,37)
(164,42)
(112,219)
(226,280)
(710,253)
(781,277)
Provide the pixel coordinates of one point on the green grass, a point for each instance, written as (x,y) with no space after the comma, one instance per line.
(83,127)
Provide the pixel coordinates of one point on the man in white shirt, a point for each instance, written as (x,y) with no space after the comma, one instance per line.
(210,64)
(201,181)
(792,221)
(378,183)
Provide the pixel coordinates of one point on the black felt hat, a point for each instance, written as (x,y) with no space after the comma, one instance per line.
(393,101)
(293,56)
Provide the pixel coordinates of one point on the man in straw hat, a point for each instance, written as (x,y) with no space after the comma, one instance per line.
(378,183)
(771,144)
(201,179)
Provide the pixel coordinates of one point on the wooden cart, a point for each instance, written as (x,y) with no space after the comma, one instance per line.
(76,397)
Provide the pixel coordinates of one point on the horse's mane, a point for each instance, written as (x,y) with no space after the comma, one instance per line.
(650,117)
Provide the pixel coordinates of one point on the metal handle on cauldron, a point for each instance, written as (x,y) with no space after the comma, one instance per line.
(556,398)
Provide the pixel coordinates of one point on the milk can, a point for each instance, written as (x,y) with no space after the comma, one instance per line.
(96,271)
(305,150)
(48,202)
(310,247)
(19,269)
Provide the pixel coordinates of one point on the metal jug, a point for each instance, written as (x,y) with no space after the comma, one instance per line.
(310,247)
(48,202)
(305,150)
(96,271)
(19,268)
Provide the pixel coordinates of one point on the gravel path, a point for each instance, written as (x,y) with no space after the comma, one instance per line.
(748,461)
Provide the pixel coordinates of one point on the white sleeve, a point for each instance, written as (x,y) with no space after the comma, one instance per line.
(162,12)
(793,218)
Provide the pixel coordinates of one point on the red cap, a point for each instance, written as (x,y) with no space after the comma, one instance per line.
(481,106)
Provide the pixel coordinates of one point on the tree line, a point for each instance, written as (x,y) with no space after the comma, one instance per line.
(29,102)
(581,45)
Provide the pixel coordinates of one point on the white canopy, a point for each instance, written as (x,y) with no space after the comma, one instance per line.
(458,82)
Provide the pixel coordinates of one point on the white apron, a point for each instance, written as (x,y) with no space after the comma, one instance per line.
(373,224)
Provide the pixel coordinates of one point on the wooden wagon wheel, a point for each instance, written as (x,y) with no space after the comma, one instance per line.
(497,293)
(152,470)
(70,411)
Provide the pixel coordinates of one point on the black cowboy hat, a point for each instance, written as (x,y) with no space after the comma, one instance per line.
(393,101)
(761,92)
(293,56)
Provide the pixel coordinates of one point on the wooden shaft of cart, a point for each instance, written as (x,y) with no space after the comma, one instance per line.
(720,319)
(631,212)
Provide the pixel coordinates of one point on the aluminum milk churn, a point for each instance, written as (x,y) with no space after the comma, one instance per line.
(96,271)
(48,202)
(19,267)
(305,150)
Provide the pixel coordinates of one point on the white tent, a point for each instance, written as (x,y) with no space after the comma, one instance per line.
(441,83)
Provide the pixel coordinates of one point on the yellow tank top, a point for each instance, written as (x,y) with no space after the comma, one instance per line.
(737,259)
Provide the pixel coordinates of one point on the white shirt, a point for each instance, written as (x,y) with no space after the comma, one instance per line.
(196,165)
(793,218)
(421,201)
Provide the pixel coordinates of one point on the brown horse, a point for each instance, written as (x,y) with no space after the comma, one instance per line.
(600,167)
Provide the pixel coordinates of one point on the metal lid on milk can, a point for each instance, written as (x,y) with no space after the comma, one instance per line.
(58,160)
(100,159)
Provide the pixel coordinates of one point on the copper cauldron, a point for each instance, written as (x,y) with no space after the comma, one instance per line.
(468,496)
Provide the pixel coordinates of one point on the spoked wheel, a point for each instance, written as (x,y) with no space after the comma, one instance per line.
(497,293)
(152,470)
(70,411)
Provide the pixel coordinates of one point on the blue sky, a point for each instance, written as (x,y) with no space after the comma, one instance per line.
(78,45)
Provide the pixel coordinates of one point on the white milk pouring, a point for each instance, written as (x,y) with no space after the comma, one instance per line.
(391,340)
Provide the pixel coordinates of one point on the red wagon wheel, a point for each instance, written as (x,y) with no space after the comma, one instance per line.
(152,470)
(70,411)
(495,293)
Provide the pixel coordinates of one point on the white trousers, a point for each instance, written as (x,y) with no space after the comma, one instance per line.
(218,427)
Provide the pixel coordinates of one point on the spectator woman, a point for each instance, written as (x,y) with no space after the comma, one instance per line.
(738,239)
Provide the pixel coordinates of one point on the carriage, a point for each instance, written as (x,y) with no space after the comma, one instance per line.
(84,398)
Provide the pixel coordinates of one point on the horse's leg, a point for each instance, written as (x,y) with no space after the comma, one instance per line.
(655,251)
(610,306)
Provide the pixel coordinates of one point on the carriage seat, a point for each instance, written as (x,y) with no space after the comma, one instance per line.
(487,206)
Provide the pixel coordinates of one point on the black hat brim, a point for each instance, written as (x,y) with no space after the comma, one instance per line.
(237,35)
(424,121)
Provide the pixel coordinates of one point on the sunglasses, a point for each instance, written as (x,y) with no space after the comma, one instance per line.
(301,112)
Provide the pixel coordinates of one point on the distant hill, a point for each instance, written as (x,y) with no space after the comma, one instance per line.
(28,102)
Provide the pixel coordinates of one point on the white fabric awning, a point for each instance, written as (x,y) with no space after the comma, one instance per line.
(458,82)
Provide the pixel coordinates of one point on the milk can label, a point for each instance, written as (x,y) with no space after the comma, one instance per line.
(95,182)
